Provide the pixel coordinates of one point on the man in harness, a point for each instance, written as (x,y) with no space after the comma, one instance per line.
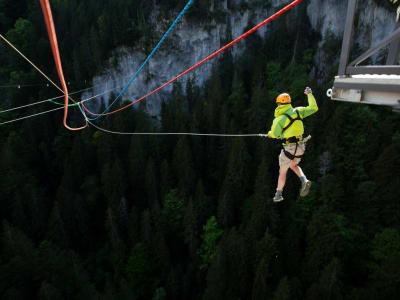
(288,126)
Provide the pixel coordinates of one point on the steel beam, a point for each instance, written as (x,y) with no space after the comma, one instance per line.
(393,36)
(347,37)
(378,70)
(388,88)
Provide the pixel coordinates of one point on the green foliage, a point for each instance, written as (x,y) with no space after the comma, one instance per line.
(160,294)
(139,270)
(173,211)
(329,285)
(283,292)
(210,239)
(385,274)
(386,244)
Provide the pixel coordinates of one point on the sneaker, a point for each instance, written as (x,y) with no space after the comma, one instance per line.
(277,198)
(305,188)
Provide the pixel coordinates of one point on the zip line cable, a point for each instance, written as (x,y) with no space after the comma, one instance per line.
(176,133)
(56,55)
(274,16)
(187,6)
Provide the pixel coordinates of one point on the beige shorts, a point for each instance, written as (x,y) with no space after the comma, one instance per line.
(284,161)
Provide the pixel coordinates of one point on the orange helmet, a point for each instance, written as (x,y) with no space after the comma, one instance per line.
(283,98)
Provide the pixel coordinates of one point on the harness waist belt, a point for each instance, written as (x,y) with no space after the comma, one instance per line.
(292,156)
(293,139)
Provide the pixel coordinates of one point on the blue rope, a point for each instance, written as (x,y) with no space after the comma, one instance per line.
(190,2)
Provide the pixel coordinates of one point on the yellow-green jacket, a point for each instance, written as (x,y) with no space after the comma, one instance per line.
(281,121)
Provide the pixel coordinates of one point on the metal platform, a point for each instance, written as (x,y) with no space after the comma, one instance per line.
(378,84)
(368,89)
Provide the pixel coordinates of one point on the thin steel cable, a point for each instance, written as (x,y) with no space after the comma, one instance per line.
(20,85)
(42,101)
(55,109)
(177,133)
(31,116)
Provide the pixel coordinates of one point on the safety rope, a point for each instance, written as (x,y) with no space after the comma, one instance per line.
(56,54)
(187,6)
(274,16)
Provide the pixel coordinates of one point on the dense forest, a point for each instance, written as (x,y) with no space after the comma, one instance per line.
(88,215)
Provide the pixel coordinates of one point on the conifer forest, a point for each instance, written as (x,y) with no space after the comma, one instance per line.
(90,215)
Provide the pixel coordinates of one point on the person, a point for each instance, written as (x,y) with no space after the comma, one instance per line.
(288,127)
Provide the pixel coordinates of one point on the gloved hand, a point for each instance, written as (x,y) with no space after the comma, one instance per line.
(308,91)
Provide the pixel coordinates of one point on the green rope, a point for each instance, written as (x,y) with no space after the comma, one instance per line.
(62,104)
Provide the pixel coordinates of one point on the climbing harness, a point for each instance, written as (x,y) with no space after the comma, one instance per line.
(298,118)
(299,141)
(294,139)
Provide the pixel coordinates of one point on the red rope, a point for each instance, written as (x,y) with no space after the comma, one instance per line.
(274,16)
(48,17)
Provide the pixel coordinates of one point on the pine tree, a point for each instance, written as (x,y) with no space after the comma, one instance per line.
(283,291)
(137,163)
(217,278)
(113,231)
(173,212)
(183,166)
(146,227)
(264,217)
(384,269)
(266,253)
(166,178)
(114,182)
(210,239)
(139,270)
(57,232)
(239,270)
(191,229)
(151,185)
(204,204)
(234,185)
(329,285)
(386,166)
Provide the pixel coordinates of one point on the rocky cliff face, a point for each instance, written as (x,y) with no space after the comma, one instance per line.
(193,42)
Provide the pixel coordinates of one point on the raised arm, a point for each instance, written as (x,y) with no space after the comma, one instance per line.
(312,105)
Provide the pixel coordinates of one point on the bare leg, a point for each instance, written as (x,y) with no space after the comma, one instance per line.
(282,179)
(295,168)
